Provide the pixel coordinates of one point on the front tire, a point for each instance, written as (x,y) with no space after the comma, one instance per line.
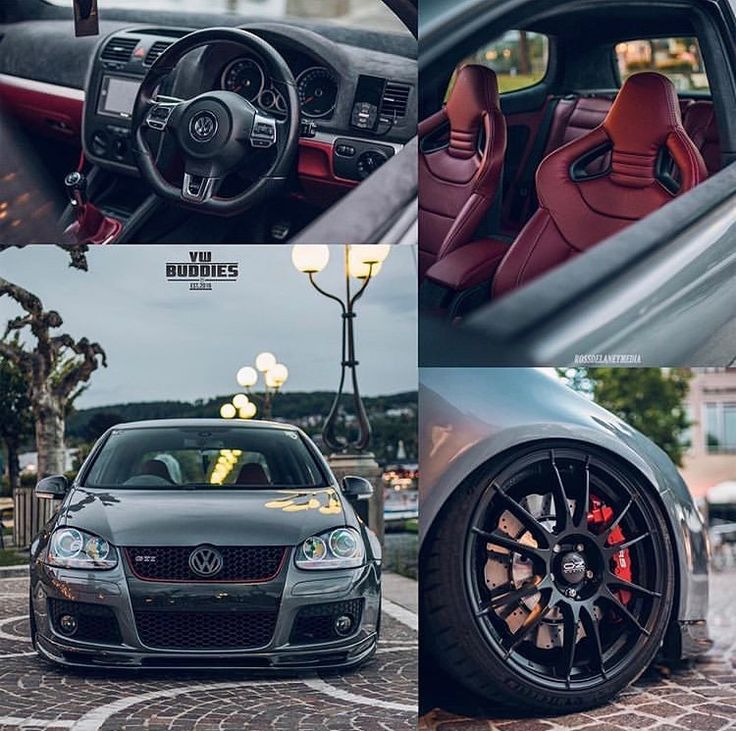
(532,601)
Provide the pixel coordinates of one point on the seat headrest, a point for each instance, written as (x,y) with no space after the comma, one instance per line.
(252,474)
(643,114)
(475,92)
(156,468)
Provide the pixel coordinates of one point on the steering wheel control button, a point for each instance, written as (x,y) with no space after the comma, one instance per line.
(203,126)
(264,131)
(345,150)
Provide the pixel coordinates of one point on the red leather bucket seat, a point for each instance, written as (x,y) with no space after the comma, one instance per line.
(458,179)
(578,209)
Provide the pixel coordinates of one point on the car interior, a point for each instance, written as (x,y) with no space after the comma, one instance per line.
(196,127)
(543,142)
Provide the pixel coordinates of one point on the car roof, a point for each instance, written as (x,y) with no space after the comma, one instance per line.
(205,423)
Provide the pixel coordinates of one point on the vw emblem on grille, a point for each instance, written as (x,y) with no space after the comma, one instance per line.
(205,561)
(203,126)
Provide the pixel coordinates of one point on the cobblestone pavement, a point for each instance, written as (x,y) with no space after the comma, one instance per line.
(380,696)
(701,697)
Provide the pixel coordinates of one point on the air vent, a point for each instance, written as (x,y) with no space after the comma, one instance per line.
(395,100)
(156,50)
(120,49)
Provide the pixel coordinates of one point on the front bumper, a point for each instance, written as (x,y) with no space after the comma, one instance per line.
(290,592)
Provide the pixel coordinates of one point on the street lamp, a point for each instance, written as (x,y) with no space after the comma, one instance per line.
(361,262)
(274,374)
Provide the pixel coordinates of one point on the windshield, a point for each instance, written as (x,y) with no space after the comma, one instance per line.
(185,457)
(370,14)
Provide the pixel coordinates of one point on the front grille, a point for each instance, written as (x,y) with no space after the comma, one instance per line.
(246,564)
(317,623)
(95,623)
(205,630)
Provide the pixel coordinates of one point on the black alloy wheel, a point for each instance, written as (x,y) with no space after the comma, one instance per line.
(559,579)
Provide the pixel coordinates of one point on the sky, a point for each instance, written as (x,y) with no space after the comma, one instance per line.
(165,342)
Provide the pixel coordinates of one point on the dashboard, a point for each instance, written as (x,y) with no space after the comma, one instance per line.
(316,86)
(357,107)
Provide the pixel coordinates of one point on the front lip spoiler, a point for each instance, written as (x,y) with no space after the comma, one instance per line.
(283,661)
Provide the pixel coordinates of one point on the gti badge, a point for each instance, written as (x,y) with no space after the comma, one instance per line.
(205,561)
(203,126)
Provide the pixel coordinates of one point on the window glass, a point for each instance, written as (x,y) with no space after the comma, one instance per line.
(519,58)
(679,59)
(171,457)
(721,427)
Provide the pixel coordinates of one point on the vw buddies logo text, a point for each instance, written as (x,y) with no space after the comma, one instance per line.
(200,271)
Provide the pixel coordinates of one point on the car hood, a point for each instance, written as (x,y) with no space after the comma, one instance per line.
(190,517)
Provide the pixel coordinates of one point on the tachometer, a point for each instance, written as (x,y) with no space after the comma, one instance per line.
(244,76)
(317,89)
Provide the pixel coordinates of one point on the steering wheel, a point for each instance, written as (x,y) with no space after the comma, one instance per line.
(217,132)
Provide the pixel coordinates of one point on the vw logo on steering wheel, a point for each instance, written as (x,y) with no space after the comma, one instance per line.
(203,126)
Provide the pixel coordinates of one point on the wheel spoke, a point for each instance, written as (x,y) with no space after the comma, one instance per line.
(623,609)
(613,580)
(526,518)
(533,620)
(616,547)
(509,598)
(580,519)
(505,541)
(606,535)
(570,617)
(590,625)
(562,507)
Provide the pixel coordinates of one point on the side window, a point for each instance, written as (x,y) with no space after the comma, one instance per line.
(518,57)
(679,59)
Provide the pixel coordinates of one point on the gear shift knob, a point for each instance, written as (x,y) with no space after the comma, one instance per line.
(76,188)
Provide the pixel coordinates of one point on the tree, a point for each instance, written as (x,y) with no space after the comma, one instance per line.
(55,368)
(651,400)
(16,424)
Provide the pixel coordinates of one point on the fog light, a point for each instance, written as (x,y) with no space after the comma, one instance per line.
(68,624)
(343,624)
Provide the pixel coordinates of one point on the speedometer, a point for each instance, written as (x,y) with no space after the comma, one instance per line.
(244,76)
(317,89)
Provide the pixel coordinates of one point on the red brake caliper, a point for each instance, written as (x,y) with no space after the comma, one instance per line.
(600,516)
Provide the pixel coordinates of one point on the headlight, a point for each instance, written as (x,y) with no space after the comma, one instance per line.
(71,548)
(341,548)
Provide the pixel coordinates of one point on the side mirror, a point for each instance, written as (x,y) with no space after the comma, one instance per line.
(356,488)
(52,488)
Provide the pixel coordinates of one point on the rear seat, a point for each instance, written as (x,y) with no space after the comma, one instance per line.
(700,124)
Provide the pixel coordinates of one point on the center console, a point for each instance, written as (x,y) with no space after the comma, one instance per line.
(120,64)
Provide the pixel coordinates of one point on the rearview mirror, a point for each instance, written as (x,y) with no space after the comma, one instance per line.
(86,18)
(52,488)
(356,488)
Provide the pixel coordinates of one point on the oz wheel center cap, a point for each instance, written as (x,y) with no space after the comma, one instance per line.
(572,568)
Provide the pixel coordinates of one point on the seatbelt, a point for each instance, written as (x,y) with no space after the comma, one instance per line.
(522,197)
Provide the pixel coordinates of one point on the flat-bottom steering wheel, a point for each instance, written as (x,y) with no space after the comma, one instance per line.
(217,131)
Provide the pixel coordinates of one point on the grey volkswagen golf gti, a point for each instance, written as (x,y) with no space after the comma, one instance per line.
(198,542)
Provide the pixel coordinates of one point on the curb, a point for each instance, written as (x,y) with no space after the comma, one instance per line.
(401,590)
(13,572)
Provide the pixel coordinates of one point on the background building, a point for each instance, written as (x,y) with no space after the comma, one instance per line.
(711,402)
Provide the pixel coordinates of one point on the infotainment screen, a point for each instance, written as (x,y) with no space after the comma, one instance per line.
(117,96)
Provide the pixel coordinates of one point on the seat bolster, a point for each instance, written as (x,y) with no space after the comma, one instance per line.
(688,160)
(432,122)
(538,248)
(469,265)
